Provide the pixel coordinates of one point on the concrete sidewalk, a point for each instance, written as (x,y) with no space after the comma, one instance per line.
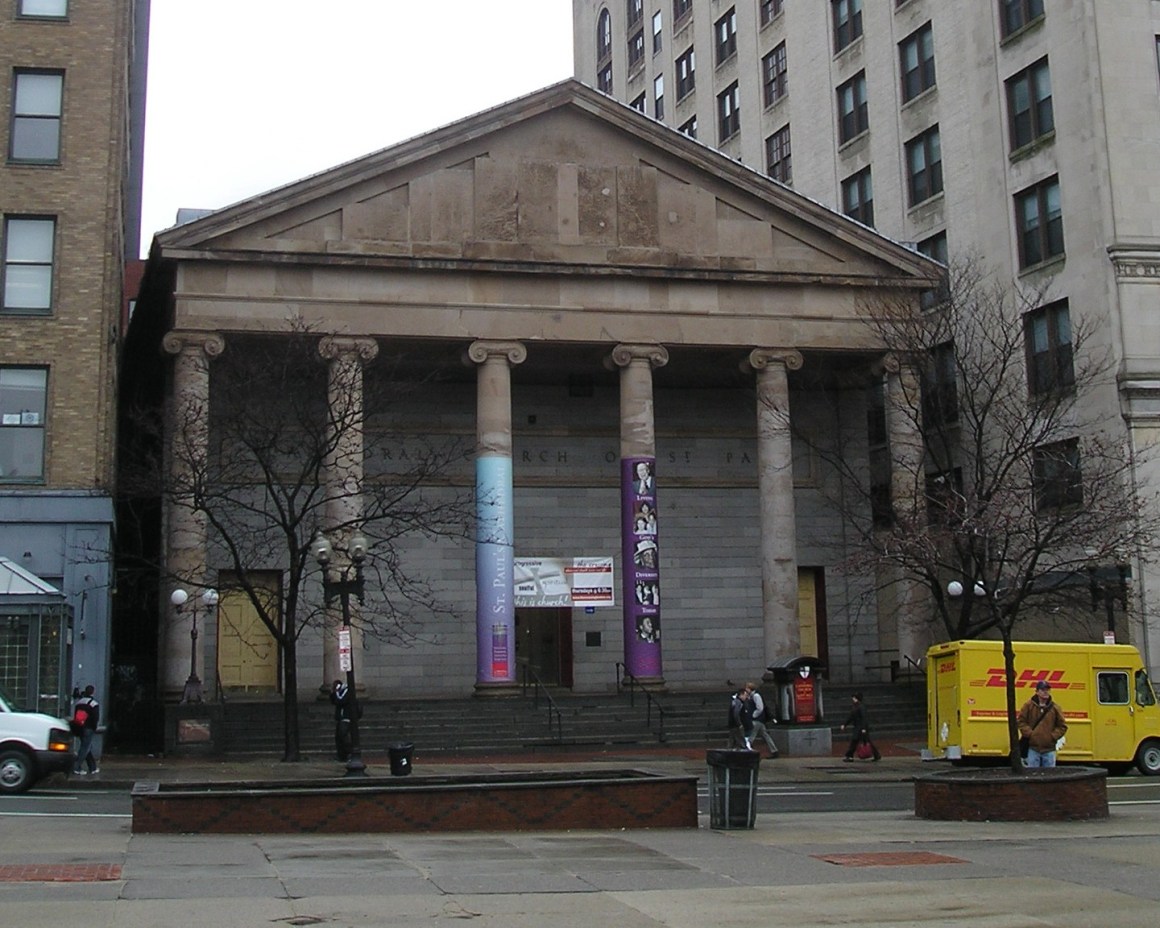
(857,869)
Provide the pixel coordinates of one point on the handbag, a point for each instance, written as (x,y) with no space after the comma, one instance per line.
(865,750)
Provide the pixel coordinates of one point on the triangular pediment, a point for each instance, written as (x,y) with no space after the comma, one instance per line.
(565,177)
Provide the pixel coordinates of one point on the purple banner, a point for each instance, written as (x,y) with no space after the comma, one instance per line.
(641,573)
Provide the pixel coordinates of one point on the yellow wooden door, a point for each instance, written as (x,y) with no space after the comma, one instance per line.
(808,612)
(247,652)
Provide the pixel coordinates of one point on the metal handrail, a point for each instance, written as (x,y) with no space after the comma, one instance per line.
(623,674)
(555,716)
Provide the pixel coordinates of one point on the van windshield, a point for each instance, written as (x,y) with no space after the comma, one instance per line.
(6,703)
(1144,694)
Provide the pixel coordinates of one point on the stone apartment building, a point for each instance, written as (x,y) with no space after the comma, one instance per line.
(70,182)
(611,319)
(1020,132)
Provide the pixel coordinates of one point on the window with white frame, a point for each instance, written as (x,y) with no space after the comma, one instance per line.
(23,401)
(659,96)
(37,100)
(657,27)
(29,246)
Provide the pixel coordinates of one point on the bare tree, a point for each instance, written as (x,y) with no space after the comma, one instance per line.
(258,465)
(1019,479)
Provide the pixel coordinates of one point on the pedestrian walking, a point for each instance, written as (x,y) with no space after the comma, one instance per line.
(762,715)
(83,724)
(1041,724)
(741,720)
(858,721)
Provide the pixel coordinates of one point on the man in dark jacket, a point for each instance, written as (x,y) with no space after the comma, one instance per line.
(86,715)
(344,707)
(741,720)
(859,723)
(1041,723)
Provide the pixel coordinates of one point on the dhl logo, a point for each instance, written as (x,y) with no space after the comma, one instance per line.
(997,676)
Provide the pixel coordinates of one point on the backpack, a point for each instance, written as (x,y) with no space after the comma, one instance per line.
(80,717)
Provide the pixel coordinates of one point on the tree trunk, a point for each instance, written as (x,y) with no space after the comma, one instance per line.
(291,742)
(1013,756)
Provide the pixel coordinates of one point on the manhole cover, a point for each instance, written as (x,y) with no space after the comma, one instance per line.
(888,859)
(59,873)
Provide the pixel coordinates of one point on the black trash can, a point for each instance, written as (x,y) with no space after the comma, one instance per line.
(732,788)
(400,754)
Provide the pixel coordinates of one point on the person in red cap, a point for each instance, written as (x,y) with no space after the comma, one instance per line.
(1041,724)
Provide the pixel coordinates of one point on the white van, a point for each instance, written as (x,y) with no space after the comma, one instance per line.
(32,746)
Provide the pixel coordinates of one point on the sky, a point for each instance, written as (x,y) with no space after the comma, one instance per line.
(247,95)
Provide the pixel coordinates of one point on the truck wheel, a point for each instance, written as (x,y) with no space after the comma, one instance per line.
(1148,758)
(15,771)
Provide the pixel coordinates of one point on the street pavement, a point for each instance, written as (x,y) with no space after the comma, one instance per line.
(858,869)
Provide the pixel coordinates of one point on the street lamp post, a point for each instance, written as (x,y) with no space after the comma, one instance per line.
(179,597)
(344,588)
(1109,592)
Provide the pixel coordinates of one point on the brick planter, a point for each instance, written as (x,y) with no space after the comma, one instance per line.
(1054,794)
(489,802)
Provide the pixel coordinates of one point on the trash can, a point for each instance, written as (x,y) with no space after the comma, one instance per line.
(732,788)
(400,754)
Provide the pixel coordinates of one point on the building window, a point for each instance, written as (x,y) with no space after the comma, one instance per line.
(853,115)
(924,166)
(916,59)
(638,103)
(777,156)
(604,79)
(729,112)
(940,389)
(1047,334)
(935,247)
(770,9)
(681,8)
(1029,109)
(603,36)
(686,74)
(634,10)
(847,22)
(726,33)
(23,392)
(858,197)
(658,38)
(659,96)
(1058,477)
(28,260)
(635,49)
(36,114)
(1039,222)
(689,128)
(46,9)
(1016,14)
(774,78)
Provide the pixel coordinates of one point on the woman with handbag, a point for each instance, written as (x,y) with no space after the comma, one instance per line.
(860,742)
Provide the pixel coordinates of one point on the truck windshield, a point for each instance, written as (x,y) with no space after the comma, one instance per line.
(1144,694)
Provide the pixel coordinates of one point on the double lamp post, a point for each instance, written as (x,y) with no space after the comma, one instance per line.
(343,588)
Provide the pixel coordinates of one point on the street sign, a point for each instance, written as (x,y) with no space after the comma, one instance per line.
(344,654)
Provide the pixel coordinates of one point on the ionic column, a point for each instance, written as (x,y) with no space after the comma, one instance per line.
(346,357)
(640,545)
(779,580)
(185,527)
(907,495)
(495,614)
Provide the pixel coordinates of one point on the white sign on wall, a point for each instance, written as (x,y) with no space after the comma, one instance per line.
(559,581)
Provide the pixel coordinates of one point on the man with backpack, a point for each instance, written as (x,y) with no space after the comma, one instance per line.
(741,720)
(86,715)
(761,715)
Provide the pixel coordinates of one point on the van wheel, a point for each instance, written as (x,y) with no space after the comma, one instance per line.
(1148,758)
(15,771)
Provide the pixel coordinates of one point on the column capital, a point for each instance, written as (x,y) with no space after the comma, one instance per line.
(481,351)
(333,347)
(179,340)
(624,355)
(761,358)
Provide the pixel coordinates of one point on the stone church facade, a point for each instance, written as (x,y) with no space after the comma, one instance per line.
(631,331)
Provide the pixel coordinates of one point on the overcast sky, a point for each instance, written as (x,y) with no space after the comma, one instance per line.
(246,95)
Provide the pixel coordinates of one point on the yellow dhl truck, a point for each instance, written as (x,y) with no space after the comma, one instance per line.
(1103,690)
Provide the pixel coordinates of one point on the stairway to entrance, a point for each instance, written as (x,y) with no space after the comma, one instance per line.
(515,724)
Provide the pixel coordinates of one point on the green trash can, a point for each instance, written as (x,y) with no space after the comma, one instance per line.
(732,788)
